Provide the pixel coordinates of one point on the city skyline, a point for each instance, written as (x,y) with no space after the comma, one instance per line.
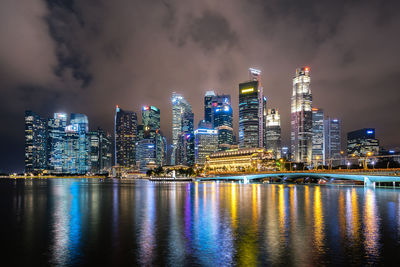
(64,71)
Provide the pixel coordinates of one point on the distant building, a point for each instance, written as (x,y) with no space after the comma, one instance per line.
(99,151)
(151,117)
(333,141)
(318,150)
(179,107)
(205,125)
(56,133)
(273,133)
(185,152)
(240,160)
(301,117)
(35,142)
(251,124)
(361,141)
(125,137)
(76,146)
(145,154)
(206,143)
(208,106)
(222,118)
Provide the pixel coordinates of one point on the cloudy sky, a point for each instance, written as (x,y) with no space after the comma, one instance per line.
(87,56)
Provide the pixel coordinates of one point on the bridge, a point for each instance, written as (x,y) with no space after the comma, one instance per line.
(369,177)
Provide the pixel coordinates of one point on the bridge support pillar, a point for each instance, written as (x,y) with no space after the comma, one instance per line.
(368,182)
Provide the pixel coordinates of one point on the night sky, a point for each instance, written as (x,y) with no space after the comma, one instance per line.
(87,56)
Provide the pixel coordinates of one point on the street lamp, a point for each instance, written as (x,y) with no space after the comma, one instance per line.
(348,164)
(369,154)
(316,162)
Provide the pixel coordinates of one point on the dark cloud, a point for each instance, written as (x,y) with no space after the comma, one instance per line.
(87,56)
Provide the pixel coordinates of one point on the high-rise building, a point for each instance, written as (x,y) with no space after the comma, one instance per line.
(56,133)
(151,117)
(222,118)
(301,117)
(76,145)
(179,107)
(251,113)
(362,141)
(333,137)
(206,143)
(273,133)
(185,155)
(125,138)
(145,154)
(318,149)
(208,98)
(35,142)
(99,151)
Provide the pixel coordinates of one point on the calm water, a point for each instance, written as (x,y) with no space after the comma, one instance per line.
(88,221)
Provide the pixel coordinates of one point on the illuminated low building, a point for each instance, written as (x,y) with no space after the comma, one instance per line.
(240,160)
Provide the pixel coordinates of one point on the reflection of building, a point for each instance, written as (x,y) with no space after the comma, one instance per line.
(362,141)
(125,138)
(35,142)
(56,128)
(179,107)
(301,117)
(206,143)
(251,126)
(318,151)
(333,141)
(273,133)
(237,160)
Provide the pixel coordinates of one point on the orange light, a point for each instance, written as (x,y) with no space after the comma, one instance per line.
(307,69)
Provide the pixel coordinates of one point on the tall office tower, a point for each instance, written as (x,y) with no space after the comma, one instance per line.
(165,151)
(179,107)
(125,138)
(56,132)
(301,117)
(145,154)
(222,118)
(151,117)
(318,133)
(76,146)
(208,106)
(186,142)
(35,142)
(265,112)
(333,137)
(206,143)
(204,125)
(94,151)
(99,151)
(362,141)
(251,124)
(273,132)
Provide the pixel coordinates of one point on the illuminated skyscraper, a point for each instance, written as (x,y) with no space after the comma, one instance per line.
(99,151)
(208,98)
(333,141)
(185,154)
(35,142)
(151,117)
(301,117)
(56,133)
(76,146)
(222,118)
(145,154)
(318,147)
(125,138)
(206,143)
(179,107)
(251,111)
(273,133)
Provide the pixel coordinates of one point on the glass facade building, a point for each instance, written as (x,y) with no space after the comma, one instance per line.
(301,117)
(35,142)
(273,133)
(318,137)
(145,154)
(151,117)
(125,138)
(185,155)
(333,143)
(179,107)
(206,143)
(99,151)
(222,119)
(208,99)
(361,141)
(56,133)
(251,113)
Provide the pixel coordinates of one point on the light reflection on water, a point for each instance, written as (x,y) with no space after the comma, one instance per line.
(138,222)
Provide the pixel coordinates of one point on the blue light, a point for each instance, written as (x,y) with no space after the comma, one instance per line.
(391,151)
(370,131)
(150,146)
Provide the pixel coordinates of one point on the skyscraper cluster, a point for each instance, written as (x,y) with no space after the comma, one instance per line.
(57,146)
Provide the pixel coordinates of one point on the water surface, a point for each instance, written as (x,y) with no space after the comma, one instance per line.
(113,222)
